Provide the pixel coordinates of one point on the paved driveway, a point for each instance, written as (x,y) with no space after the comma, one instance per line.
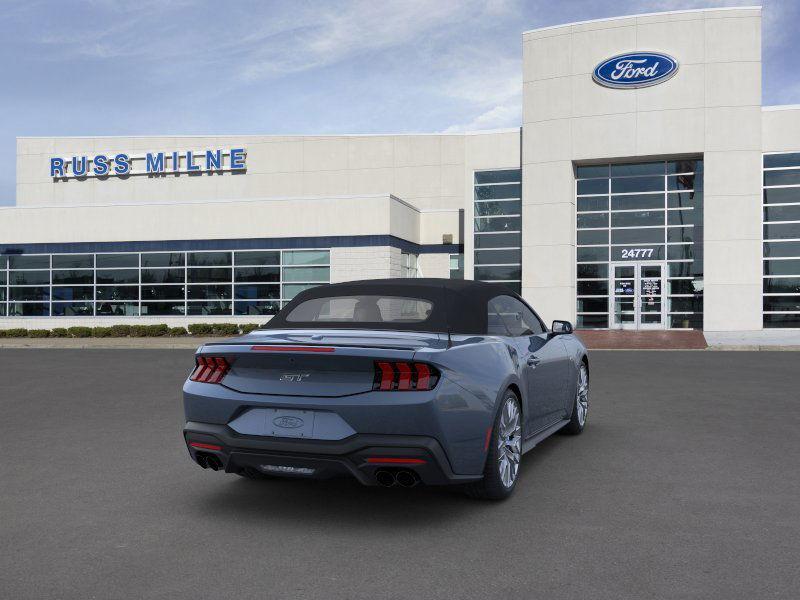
(684,485)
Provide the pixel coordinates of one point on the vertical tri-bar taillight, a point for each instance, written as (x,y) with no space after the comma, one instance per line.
(404,376)
(210,369)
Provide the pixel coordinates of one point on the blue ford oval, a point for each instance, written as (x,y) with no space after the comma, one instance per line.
(635,70)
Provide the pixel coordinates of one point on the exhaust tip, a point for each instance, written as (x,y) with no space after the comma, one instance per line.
(407,478)
(201,460)
(385,478)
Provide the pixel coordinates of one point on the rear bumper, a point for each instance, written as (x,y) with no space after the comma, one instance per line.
(358,455)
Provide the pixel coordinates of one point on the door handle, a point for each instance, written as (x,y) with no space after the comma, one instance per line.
(533,360)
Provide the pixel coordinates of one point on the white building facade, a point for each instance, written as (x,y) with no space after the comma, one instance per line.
(655,192)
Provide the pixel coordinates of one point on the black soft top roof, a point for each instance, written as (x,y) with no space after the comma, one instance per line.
(459,306)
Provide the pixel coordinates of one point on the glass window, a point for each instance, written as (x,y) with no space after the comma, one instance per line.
(114,261)
(498,273)
(84,292)
(208,292)
(782,195)
(684,286)
(73,309)
(518,318)
(637,202)
(782,231)
(494,192)
(593,220)
(209,259)
(291,290)
(636,184)
(782,267)
(3,262)
(790,159)
(592,236)
(73,261)
(782,285)
(256,258)
(163,276)
(683,217)
(684,182)
(680,252)
(694,321)
(592,321)
(590,171)
(494,322)
(593,288)
(638,218)
(651,168)
(786,320)
(117,292)
(117,309)
(782,213)
(41,261)
(306,257)
(498,240)
(29,277)
(680,269)
(362,309)
(637,236)
(215,275)
(680,234)
(256,308)
(28,309)
(118,276)
(685,200)
(255,292)
(209,308)
(506,207)
(782,303)
(29,293)
(501,176)
(2,278)
(788,177)
(781,249)
(592,271)
(72,277)
(684,166)
(593,305)
(498,257)
(592,203)
(309,274)
(592,254)
(498,224)
(163,259)
(257,274)
(163,309)
(162,292)
(592,186)
(456,266)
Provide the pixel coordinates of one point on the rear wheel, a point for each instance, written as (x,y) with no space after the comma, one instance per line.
(580,408)
(505,452)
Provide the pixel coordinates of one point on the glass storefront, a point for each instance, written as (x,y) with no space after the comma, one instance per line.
(781,300)
(208,283)
(640,245)
(497,227)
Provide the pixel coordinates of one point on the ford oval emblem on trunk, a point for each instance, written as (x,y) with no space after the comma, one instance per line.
(635,70)
(288,422)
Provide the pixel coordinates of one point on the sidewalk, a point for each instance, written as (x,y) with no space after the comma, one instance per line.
(165,343)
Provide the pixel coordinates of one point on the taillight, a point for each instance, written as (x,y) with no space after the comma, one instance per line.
(210,369)
(404,376)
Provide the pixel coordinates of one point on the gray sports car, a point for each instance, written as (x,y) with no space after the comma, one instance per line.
(394,382)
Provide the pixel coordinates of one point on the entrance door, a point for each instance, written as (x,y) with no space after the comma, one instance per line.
(637,295)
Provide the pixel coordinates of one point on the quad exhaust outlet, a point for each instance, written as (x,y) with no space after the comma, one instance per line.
(402,477)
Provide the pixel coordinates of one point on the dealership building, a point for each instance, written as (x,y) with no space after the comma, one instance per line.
(646,188)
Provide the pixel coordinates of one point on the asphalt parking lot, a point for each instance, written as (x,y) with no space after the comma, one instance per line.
(684,485)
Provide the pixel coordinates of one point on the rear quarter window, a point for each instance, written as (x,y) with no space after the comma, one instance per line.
(362,309)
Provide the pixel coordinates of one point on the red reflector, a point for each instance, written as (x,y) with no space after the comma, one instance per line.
(395,461)
(423,376)
(292,349)
(210,369)
(205,446)
(404,381)
(387,375)
(487,440)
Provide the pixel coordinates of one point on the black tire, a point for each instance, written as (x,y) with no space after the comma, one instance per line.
(491,487)
(576,424)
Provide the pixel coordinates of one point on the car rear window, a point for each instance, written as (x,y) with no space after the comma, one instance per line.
(362,309)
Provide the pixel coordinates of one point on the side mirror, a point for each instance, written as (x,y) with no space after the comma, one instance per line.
(561,328)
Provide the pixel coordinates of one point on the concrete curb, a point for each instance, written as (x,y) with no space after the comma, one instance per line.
(166,343)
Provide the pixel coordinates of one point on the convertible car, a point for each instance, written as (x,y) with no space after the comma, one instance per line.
(394,382)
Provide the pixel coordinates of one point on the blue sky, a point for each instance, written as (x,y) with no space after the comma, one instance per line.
(104,67)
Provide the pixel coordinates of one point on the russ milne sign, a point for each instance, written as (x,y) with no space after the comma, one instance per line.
(635,70)
(151,163)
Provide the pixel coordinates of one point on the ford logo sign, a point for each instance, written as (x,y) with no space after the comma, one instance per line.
(635,70)
(288,422)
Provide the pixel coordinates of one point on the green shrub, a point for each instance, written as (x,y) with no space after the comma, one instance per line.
(59,332)
(201,328)
(177,331)
(38,333)
(157,330)
(101,332)
(17,332)
(248,327)
(80,332)
(138,331)
(224,329)
(2,333)
(120,330)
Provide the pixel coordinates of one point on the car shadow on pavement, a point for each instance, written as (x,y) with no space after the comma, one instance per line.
(343,502)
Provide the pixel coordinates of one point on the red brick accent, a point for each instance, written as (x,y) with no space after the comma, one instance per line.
(615,339)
